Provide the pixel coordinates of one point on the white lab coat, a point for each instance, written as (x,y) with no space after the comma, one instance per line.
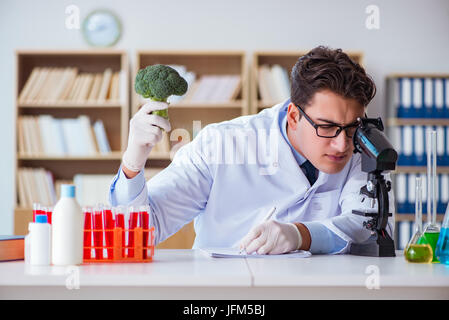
(228,185)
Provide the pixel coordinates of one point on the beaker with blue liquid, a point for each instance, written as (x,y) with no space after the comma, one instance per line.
(442,248)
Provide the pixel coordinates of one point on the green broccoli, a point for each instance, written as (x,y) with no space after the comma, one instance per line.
(158,82)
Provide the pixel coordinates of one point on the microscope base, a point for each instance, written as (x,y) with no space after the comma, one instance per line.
(375,246)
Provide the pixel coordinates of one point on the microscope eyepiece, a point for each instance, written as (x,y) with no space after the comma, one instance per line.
(377,152)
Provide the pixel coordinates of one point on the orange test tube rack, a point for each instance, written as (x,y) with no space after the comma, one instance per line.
(119,248)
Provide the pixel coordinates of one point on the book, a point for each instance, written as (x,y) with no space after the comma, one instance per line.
(40,80)
(86,136)
(95,88)
(27,88)
(12,248)
(85,89)
(104,88)
(101,137)
(235,253)
(264,84)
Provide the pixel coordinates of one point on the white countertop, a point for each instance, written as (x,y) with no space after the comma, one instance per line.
(168,268)
(348,270)
(190,274)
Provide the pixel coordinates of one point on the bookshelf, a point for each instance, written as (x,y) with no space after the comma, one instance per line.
(197,105)
(416,102)
(207,108)
(286,60)
(66,91)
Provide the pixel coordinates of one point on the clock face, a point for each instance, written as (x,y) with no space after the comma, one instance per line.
(101,28)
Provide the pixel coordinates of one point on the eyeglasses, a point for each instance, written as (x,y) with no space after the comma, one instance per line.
(330,130)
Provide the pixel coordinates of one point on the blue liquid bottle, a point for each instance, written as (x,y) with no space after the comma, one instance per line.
(442,248)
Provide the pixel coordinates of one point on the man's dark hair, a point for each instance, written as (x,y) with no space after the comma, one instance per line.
(324,68)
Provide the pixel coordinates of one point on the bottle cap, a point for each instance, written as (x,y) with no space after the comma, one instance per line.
(68,190)
(41,218)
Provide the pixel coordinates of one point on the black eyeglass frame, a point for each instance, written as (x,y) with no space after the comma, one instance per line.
(340,128)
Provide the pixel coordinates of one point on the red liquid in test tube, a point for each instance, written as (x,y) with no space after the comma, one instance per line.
(36,207)
(145,223)
(133,223)
(49,213)
(87,253)
(98,233)
(120,223)
(109,227)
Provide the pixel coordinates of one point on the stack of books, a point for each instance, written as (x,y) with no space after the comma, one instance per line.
(273,83)
(35,185)
(47,86)
(214,89)
(207,88)
(47,136)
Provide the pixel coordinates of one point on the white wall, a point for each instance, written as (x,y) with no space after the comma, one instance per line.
(413,37)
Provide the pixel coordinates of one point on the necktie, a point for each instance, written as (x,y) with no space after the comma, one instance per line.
(310,171)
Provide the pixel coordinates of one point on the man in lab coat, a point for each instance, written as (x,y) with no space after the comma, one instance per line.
(296,156)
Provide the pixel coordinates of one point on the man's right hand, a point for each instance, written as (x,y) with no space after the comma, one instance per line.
(144,133)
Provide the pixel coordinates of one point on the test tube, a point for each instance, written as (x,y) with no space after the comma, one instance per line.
(120,223)
(431,177)
(98,232)
(35,210)
(49,213)
(108,222)
(87,253)
(418,206)
(133,224)
(145,223)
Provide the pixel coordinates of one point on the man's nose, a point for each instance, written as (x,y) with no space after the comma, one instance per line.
(341,142)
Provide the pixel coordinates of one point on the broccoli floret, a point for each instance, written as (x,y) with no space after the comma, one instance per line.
(158,82)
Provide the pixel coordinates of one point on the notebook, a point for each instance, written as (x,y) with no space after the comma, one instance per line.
(234,253)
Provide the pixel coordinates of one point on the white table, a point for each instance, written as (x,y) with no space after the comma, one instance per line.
(189,274)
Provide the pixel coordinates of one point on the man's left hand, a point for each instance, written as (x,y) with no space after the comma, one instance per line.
(272,237)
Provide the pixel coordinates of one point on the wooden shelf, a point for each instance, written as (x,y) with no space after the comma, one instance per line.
(411,217)
(99,157)
(113,113)
(419,169)
(417,75)
(417,122)
(64,104)
(208,105)
(286,59)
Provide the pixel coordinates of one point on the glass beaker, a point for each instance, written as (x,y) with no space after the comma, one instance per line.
(418,249)
(432,231)
(442,250)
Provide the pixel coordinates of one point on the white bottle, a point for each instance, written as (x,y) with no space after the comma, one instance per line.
(39,241)
(67,229)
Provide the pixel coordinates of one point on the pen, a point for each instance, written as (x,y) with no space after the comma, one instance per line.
(267,217)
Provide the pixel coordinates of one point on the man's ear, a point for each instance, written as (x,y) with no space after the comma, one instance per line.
(293,116)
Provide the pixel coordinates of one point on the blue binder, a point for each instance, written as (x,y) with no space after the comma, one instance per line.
(429,98)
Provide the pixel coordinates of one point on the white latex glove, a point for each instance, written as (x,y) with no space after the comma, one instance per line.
(144,132)
(272,237)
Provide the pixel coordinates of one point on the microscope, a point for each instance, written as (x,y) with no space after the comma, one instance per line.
(378,155)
